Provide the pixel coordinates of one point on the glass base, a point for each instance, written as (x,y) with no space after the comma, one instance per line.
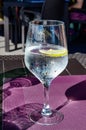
(54,118)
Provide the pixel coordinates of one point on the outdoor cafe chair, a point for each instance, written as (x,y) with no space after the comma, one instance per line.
(12,24)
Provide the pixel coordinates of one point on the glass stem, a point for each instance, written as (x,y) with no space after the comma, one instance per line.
(46,111)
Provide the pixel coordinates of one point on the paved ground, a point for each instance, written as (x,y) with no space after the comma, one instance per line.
(18,51)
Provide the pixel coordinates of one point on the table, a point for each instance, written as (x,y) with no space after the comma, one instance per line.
(20,101)
(22,91)
(15,3)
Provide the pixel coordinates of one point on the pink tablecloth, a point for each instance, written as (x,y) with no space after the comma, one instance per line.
(67,94)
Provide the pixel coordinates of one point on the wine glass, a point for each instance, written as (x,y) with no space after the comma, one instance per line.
(46,56)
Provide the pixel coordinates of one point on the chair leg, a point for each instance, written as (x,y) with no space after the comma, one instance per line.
(23,39)
(15,36)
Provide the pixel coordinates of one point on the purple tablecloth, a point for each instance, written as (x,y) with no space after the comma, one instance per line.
(67,94)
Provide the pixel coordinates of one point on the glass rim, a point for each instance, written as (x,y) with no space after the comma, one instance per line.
(40,22)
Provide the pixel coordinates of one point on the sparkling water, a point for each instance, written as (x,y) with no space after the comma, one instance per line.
(44,67)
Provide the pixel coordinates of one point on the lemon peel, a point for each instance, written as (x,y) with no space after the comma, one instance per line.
(54,53)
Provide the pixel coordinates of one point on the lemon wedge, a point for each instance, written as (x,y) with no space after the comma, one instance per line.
(54,53)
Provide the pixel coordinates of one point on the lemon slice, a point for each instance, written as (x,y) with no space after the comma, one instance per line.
(54,53)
